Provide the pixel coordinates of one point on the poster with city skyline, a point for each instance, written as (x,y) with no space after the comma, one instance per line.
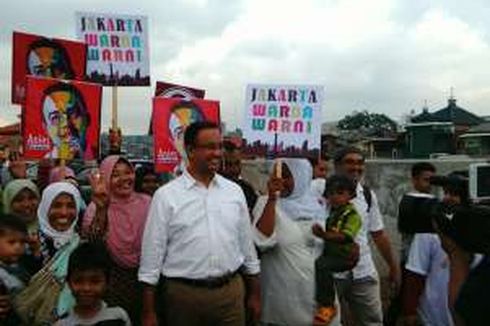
(118,49)
(283,120)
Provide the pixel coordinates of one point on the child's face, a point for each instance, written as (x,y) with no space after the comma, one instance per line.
(12,246)
(339,198)
(88,286)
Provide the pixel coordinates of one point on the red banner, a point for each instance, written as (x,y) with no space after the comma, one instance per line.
(171,116)
(61,119)
(45,57)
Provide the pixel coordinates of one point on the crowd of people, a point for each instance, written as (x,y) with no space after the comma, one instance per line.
(207,249)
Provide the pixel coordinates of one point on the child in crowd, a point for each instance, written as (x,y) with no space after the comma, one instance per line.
(88,276)
(342,226)
(13,277)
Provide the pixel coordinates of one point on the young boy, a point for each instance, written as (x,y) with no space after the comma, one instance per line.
(88,276)
(341,228)
(13,277)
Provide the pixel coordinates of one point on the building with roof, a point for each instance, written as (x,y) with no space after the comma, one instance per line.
(476,140)
(439,132)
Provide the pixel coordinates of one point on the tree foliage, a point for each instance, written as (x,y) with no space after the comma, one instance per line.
(369,124)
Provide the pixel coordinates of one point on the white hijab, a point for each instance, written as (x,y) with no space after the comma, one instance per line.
(301,204)
(49,195)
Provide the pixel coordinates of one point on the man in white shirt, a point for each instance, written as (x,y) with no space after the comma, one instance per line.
(198,236)
(358,289)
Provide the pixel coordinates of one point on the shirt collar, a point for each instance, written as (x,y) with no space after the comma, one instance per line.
(190,181)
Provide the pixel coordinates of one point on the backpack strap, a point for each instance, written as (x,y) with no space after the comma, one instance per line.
(368,196)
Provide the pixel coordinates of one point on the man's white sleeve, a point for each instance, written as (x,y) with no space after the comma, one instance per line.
(419,258)
(154,243)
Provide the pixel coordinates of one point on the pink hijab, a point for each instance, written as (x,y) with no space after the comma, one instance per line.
(126,219)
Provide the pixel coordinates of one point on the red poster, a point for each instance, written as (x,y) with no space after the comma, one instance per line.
(169,90)
(61,119)
(170,118)
(45,57)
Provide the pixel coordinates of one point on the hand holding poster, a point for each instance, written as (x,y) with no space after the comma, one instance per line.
(37,55)
(118,52)
(171,117)
(61,119)
(283,120)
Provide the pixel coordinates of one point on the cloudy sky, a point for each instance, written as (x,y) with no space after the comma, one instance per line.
(378,55)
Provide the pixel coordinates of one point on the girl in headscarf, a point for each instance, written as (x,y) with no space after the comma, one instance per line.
(47,297)
(21,199)
(283,223)
(118,214)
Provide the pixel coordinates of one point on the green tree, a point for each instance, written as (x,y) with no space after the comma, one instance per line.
(368,124)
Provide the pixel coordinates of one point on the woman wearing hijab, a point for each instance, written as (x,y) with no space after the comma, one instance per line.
(283,223)
(47,297)
(118,214)
(21,199)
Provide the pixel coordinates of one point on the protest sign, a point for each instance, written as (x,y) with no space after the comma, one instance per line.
(61,119)
(283,120)
(45,57)
(171,117)
(118,52)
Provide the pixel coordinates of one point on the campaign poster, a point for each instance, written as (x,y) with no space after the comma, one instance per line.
(169,90)
(171,116)
(36,55)
(283,120)
(118,49)
(61,119)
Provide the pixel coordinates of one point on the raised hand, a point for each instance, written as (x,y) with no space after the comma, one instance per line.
(100,197)
(100,194)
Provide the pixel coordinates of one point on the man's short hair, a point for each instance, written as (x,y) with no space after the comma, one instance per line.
(418,168)
(10,222)
(343,152)
(89,256)
(339,182)
(192,131)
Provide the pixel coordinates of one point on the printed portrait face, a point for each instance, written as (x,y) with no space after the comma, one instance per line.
(182,115)
(66,120)
(48,59)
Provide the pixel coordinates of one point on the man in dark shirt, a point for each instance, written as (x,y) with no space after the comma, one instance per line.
(232,170)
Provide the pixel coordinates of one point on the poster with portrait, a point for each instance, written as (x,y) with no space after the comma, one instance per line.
(171,116)
(169,90)
(44,57)
(61,119)
(118,51)
(283,120)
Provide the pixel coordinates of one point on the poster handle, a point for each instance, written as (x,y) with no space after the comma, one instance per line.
(114,108)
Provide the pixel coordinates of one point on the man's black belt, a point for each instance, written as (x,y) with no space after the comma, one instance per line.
(210,283)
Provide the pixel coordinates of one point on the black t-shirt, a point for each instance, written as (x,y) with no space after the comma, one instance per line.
(472,303)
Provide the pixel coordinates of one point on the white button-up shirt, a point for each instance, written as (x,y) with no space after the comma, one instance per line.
(372,221)
(197,232)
